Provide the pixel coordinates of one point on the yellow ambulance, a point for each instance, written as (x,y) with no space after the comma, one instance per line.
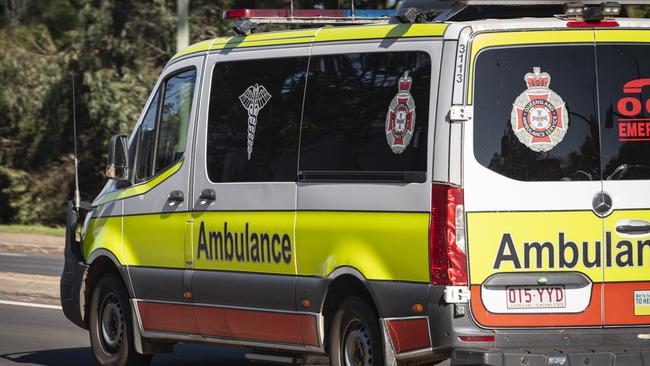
(464,180)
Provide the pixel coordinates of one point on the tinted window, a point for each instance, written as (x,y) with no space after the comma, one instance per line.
(146,141)
(526,133)
(624,80)
(175,118)
(254,120)
(349,99)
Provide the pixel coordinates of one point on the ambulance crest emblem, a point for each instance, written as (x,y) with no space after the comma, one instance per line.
(539,117)
(400,119)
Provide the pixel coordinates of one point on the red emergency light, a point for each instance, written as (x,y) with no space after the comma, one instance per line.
(601,24)
(281,13)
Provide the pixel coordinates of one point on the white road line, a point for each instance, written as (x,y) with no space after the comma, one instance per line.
(30,304)
(13,254)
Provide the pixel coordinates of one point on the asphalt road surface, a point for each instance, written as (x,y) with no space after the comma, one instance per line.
(31,263)
(38,336)
(34,336)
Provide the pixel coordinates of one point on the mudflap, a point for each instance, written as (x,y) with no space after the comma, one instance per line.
(74,272)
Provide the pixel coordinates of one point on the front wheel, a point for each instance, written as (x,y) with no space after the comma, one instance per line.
(111,328)
(355,338)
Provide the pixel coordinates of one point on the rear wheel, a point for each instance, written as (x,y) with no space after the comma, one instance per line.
(355,338)
(111,327)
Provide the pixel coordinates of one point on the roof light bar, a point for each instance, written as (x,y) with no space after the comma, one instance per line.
(413,15)
(574,9)
(611,9)
(310,16)
(246,27)
(581,16)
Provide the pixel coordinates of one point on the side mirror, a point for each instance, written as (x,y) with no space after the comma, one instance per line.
(117,167)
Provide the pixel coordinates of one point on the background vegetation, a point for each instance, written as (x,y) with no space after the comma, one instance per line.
(115,49)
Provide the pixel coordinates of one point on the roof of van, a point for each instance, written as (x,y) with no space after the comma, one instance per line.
(450,30)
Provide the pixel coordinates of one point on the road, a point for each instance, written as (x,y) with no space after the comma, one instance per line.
(40,336)
(30,263)
(34,336)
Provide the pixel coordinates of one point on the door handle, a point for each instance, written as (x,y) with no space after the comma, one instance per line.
(207,196)
(175,198)
(633,227)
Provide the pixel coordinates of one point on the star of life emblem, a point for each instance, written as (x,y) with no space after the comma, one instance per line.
(400,119)
(539,117)
(253,99)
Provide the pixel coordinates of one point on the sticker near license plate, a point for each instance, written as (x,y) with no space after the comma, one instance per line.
(641,302)
(536,297)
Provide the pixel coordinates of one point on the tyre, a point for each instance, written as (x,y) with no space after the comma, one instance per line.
(355,338)
(111,326)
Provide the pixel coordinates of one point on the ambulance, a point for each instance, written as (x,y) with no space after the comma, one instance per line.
(465,181)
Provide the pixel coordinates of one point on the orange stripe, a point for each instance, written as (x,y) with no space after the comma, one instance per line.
(409,334)
(590,317)
(619,303)
(264,326)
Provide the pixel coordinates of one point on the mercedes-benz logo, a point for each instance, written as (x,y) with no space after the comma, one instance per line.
(602,204)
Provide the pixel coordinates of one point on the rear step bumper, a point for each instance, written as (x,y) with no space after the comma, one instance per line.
(538,357)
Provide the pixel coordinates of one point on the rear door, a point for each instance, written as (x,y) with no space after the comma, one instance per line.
(531,171)
(624,95)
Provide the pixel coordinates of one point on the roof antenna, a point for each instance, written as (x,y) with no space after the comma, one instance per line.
(77,195)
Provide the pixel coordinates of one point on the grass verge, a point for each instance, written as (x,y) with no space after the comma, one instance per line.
(33,229)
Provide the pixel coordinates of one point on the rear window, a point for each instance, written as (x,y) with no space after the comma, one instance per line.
(535,113)
(624,78)
(366,115)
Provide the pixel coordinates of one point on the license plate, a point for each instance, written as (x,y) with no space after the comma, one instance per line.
(536,297)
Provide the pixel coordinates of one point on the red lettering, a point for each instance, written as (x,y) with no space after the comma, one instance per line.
(621,130)
(529,297)
(550,294)
(641,129)
(629,106)
(540,291)
(559,294)
(512,296)
(647,105)
(631,129)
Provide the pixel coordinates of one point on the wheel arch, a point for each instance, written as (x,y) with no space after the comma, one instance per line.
(100,262)
(345,282)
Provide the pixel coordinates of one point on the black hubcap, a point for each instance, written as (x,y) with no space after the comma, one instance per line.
(356,344)
(111,325)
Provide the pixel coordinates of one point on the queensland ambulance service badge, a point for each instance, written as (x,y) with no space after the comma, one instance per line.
(539,117)
(400,119)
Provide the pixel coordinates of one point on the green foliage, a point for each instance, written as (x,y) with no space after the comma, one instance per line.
(638,11)
(116,49)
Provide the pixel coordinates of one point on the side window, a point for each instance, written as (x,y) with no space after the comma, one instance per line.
(535,113)
(365,114)
(175,119)
(624,80)
(162,135)
(254,120)
(146,142)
